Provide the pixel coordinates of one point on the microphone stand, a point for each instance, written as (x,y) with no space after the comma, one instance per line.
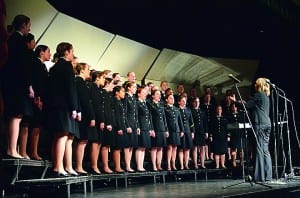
(275,128)
(288,132)
(277,125)
(281,122)
(247,178)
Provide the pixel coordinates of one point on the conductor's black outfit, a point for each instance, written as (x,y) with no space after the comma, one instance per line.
(259,106)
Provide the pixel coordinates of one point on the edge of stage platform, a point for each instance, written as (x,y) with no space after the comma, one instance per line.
(25,162)
(54,180)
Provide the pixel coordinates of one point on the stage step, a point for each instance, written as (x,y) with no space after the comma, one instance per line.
(53,182)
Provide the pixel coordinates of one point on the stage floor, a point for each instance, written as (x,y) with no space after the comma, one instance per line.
(184,187)
(186,183)
(200,189)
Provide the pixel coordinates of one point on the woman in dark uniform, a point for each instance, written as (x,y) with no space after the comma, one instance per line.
(30,59)
(131,137)
(16,89)
(219,137)
(163,87)
(161,130)
(235,142)
(88,122)
(145,123)
(63,110)
(175,126)
(201,133)
(40,85)
(96,137)
(187,136)
(226,111)
(227,101)
(208,107)
(108,121)
(120,127)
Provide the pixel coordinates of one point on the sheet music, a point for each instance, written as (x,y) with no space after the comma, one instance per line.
(238,125)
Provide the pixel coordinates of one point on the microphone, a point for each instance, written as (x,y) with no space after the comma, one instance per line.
(234,78)
(271,84)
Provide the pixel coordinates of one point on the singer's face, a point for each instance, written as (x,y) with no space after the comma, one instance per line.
(196,103)
(170,100)
(143,94)
(156,96)
(219,110)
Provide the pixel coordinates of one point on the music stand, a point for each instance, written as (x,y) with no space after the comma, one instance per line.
(247,178)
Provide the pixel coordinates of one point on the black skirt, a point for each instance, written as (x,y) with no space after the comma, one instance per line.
(199,139)
(96,135)
(131,139)
(159,140)
(59,121)
(174,138)
(186,141)
(144,139)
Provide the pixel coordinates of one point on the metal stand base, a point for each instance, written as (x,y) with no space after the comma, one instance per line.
(247,179)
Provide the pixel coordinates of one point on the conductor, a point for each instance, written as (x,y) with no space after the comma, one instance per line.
(259,107)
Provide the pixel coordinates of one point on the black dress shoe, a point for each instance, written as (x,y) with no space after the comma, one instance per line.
(141,171)
(120,172)
(105,172)
(82,174)
(6,156)
(75,174)
(64,175)
(174,168)
(130,171)
(93,172)
(38,159)
(60,175)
